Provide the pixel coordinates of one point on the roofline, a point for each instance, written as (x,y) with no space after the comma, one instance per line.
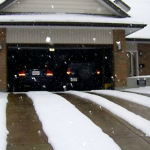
(137,40)
(77,24)
(6,4)
(41,13)
(116,8)
(123,3)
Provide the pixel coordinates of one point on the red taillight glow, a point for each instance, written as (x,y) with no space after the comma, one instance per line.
(98,72)
(49,73)
(22,73)
(68,72)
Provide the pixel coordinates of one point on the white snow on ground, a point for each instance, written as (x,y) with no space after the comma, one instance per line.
(142,90)
(133,119)
(3,130)
(66,127)
(136,98)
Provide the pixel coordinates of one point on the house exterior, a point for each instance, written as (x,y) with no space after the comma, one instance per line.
(96,23)
(138,62)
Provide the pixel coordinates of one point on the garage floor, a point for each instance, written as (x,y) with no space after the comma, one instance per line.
(25,129)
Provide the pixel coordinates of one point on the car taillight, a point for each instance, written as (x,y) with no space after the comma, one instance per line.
(22,73)
(49,73)
(68,71)
(98,72)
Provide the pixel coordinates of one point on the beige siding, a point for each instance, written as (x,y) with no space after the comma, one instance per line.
(60,36)
(58,6)
(131,46)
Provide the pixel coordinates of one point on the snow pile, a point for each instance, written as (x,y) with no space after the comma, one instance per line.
(136,98)
(142,90)
(66,127)
(133,119)
(3,130)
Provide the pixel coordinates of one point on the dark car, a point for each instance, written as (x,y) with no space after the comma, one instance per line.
(34,71)
(37,77)
(84,71)
(83,76)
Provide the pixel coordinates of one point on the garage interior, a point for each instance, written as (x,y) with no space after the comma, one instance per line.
(58,58)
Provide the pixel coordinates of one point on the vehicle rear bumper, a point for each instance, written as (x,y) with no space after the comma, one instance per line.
(84,85)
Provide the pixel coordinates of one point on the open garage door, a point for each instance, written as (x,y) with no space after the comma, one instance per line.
(58,67)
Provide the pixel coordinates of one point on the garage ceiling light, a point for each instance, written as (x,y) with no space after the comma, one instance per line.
(51,49)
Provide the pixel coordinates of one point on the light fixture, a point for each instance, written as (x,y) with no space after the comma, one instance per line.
(119,45)
(0,47)
(51,49)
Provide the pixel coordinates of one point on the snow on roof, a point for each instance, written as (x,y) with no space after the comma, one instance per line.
(62,17)
(139,15)
(78,20)
(140,11)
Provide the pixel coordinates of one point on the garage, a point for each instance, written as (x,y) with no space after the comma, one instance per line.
(98,27)
(67,67)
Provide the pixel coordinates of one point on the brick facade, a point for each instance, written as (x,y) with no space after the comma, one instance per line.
(119,60)
(144,59)
(3,61)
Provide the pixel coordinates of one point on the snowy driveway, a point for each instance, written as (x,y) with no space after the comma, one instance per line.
(83,124)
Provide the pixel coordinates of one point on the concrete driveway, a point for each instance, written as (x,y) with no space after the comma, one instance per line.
(126,136)
(25,129)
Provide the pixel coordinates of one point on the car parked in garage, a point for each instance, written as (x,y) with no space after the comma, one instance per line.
(31,69)
(75,67)
(83,76)
(31,76)
(84,71)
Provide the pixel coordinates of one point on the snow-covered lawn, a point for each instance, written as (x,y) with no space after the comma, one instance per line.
(66,127)
(133,119)
(3,130)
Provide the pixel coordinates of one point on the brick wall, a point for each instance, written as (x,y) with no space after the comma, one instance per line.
(144,59)
(120,60)
(3,61)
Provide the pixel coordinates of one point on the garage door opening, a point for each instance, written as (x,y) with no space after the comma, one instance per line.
(58,67)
